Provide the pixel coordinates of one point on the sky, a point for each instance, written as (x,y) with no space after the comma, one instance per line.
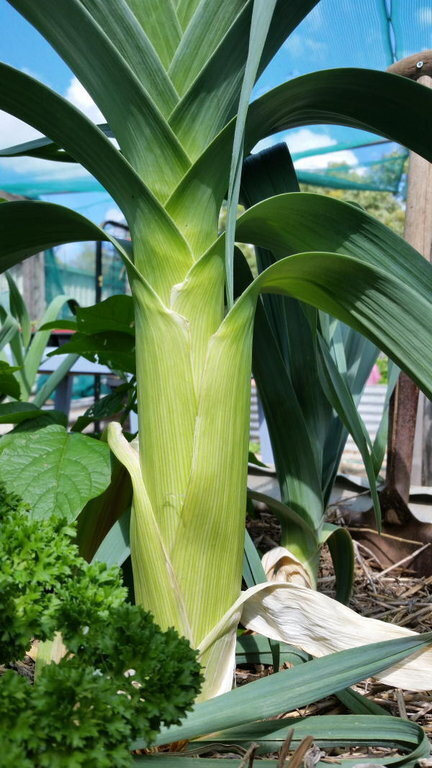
(357,35)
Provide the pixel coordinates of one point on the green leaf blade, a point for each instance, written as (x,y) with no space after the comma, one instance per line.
(294,688)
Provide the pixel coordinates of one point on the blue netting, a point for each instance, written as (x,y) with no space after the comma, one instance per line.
(366,33)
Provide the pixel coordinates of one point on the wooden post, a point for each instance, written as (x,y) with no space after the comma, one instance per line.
(405,400)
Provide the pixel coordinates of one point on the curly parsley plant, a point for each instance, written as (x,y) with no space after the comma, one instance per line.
(121,677)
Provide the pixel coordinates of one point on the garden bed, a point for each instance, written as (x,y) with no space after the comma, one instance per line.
(393,595)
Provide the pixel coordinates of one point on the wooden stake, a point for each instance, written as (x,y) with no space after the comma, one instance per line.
(418,233)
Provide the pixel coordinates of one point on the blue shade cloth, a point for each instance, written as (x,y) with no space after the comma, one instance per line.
(337,33)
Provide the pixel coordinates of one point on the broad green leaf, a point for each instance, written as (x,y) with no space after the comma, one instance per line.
(31,226)
(255,649)
(115,547)
(128,36)
(106,517)
(329,731)
(14,413)
(341,550)
(161,24)
(19,310)
(327,97)
(114,349)
(222,75)
(297,687)
(261,19)
(339,395)
(55,473)
(60,324)
(113,314)
(8,383)
(44,419)
(105,408)
(145,137)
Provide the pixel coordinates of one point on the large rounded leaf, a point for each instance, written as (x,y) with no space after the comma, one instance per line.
(53,471)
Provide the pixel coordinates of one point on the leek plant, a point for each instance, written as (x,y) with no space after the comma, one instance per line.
(22,349)
(310,371)
(173,80)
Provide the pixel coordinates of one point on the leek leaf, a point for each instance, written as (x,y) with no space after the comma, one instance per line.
(145,137)
(297,687)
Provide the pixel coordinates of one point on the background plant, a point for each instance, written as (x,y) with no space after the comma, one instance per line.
(22,348)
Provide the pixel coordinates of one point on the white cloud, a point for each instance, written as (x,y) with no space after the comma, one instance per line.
(343,157)
(424,15)
(314,20)
(305,139)
(300,46)
(80,98)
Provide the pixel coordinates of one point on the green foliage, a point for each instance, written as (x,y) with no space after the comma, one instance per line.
(383,205)
(383,366)
(40,470)
(121,676)
(8,382)
(123,398)
(104,333)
